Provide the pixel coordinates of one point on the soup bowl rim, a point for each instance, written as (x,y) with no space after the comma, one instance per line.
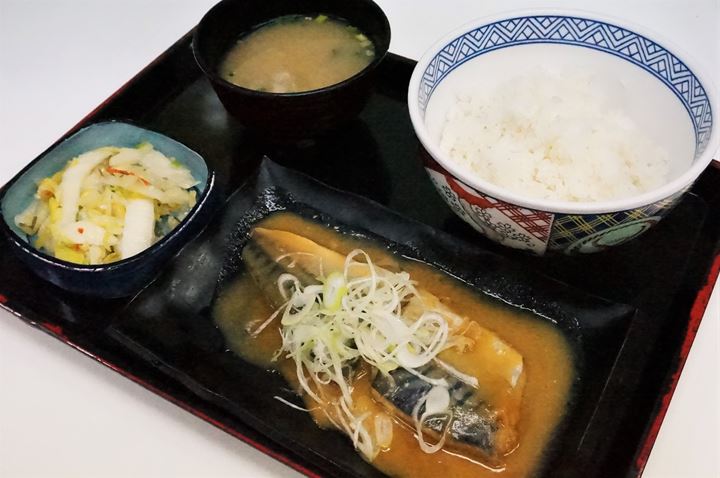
(211,70)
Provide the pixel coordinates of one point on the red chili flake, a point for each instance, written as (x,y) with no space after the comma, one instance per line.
(112,170)
(81,230)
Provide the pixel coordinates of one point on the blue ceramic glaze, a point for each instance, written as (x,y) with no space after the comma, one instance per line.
(120,278)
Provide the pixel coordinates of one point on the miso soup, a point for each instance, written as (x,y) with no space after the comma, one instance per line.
(297,53)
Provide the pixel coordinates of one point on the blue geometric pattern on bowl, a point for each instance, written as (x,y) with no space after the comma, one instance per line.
(583,32)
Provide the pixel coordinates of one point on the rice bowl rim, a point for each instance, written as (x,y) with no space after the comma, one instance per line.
(557,206)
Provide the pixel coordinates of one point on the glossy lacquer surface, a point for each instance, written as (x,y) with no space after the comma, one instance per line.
(660,294)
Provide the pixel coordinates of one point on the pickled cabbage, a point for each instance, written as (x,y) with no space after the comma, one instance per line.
(108,204)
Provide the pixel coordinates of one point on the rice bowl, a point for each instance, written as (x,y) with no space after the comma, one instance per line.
(666,100)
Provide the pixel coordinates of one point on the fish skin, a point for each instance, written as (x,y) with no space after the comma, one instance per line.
(471,423)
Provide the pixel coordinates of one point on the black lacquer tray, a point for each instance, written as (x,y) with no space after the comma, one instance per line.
(651,292)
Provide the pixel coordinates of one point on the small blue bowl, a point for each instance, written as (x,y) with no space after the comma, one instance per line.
(121,278)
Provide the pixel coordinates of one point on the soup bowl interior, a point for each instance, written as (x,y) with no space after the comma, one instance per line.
(288,114)
(666,99)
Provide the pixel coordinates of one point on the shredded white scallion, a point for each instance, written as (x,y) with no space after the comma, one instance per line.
(356,314)
(436,402)
(290,404)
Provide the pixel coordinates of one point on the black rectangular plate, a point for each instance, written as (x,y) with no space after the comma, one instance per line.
(666,275)
(171,325)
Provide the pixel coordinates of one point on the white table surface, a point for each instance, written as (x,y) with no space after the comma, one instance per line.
(62,414)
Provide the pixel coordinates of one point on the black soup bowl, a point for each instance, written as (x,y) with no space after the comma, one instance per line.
(288,116)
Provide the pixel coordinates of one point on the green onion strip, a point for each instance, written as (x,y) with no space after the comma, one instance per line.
(356,314)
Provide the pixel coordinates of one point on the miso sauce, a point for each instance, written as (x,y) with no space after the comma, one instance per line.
(547,359)
(296,53)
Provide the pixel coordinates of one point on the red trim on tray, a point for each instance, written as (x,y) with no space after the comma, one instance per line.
(696,314)
(231,431)
(3,299)
(57,331)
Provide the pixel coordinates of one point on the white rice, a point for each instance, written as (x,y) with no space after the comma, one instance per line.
(552,136)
